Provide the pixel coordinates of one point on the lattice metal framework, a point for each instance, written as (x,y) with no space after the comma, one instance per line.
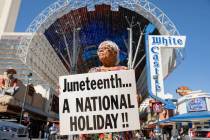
(8,48)
(44,61)
(59,8)
(49,15)
(135,5)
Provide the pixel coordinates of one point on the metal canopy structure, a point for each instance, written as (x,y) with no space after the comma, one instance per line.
(75,28)
(142,7)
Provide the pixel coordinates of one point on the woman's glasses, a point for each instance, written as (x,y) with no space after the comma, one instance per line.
(106,48)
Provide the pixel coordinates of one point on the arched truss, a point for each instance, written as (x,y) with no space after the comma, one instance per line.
(143,7)
(61,7)
(56,10)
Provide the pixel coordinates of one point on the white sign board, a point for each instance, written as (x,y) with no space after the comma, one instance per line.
(98,102)
(155,63)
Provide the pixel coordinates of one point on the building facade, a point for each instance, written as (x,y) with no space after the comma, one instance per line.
(39,105)
(8,14)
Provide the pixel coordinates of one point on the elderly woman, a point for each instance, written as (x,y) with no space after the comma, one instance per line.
(108,53)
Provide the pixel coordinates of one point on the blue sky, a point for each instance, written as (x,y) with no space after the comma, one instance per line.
(191,17)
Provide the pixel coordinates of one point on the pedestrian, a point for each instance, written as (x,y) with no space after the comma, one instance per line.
(53,131)
(182,134)
(46,130)
(138,135)
(30,129)
(174,133)
(8,83)
(142,135)
(152,135)
(42,130)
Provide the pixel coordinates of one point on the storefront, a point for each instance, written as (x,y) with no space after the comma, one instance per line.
(193,112)
(150,112)
(194,107)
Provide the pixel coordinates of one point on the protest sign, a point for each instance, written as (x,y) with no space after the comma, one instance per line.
(98,102)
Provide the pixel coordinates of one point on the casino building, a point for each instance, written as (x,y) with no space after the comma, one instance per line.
(64,37)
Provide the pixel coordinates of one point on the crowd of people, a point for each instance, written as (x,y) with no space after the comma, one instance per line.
(48,131)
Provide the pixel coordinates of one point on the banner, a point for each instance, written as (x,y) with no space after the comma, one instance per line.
(155,63)
(98,103)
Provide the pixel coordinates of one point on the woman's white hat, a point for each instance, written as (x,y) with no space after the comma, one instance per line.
(113,45)
(110,44)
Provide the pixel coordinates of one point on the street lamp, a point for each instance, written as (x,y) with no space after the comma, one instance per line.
(29,76)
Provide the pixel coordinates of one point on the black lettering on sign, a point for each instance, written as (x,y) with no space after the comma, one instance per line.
(100,121)
(129,101)
(93,84)
(106,103)
(114,102)
(100,84)
(73,123)
(114,118)
(66,106)
(98,103)
(100,106)
(118,81)
(114,81)
(65,85)
(94,102)
(81,123)
(82,85)
(87,82)
(88,106)
(89,127)
(79,105)
(123,102)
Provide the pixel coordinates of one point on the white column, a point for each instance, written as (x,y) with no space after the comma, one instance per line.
(8,15)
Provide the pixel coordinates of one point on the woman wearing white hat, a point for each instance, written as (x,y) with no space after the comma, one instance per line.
(108,53)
